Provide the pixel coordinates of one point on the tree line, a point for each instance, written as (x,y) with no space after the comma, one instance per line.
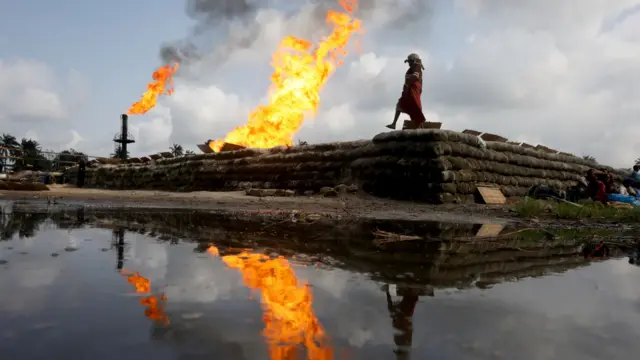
(27,154)
(591,158)
(176,150)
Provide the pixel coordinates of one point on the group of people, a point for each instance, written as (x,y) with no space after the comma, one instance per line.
(601,186)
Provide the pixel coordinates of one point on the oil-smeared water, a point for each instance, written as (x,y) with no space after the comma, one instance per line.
(110,286)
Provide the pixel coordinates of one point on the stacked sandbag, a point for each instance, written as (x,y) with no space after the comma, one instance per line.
(300,167)
(447,166)
(448,255)
(425,165)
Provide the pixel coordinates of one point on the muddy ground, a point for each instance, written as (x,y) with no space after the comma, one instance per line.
(341,207)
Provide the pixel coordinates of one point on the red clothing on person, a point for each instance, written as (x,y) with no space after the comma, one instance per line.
(410,102)
(600,191)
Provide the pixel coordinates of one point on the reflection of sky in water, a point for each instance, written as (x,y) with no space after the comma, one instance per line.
(75,305)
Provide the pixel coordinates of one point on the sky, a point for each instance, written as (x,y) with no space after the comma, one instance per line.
(541,71)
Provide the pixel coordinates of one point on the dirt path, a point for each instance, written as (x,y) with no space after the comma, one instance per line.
(348,206)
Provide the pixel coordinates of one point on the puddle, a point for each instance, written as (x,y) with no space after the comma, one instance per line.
(186,285)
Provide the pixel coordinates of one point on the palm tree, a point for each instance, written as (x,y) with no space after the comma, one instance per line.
(29,145)
(68,157)
(118,153)
(189,153)
(31,156)
(176,150)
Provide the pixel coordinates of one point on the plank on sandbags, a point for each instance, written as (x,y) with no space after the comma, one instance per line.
(204,148)
(491,196)
(430,125)
(472,132)
(489,230)
(231,147)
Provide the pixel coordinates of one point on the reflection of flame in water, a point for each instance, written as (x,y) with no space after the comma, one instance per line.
(288,314)
(154,304)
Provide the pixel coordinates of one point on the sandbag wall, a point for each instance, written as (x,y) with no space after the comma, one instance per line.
(308,167)
(445,166)
(437,166)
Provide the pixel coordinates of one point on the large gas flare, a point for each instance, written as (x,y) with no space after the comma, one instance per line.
(153,304)
(162,84)
(288,314)
(300,72)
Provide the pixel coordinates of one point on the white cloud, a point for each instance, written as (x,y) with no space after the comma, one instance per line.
(27,92)
(540,71)
(34,100)
(76,138)
(154,132)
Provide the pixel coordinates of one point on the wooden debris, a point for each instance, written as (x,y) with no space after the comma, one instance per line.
(472,132)
(231,147)
(385,237)
(408,125)
(489,230)
(430,125)
(493,137)
(205,148)
(491,196)
(620,205)
(546,149)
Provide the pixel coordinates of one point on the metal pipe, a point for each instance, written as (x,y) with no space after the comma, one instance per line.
(124,135)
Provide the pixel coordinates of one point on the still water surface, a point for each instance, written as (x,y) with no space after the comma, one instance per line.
(63,294)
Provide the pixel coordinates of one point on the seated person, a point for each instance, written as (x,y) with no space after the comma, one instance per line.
(607,179)
(597,190)
(630,186)
(635,175)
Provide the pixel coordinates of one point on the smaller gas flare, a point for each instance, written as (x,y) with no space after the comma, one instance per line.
(162,84)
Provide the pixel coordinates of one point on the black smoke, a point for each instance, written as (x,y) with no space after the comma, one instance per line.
(218,17)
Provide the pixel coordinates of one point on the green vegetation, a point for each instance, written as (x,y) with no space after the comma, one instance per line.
(27,154)
(176,150)
(118,153)
(540,208)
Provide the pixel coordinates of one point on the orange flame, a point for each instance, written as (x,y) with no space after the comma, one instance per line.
(300,72)
(162,84)
(154,304)
(288,313)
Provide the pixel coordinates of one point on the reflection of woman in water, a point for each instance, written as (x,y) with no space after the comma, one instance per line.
(402,319)
(634,255)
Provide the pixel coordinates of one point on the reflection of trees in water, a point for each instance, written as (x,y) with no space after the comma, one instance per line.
(26,224)
(23,224)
